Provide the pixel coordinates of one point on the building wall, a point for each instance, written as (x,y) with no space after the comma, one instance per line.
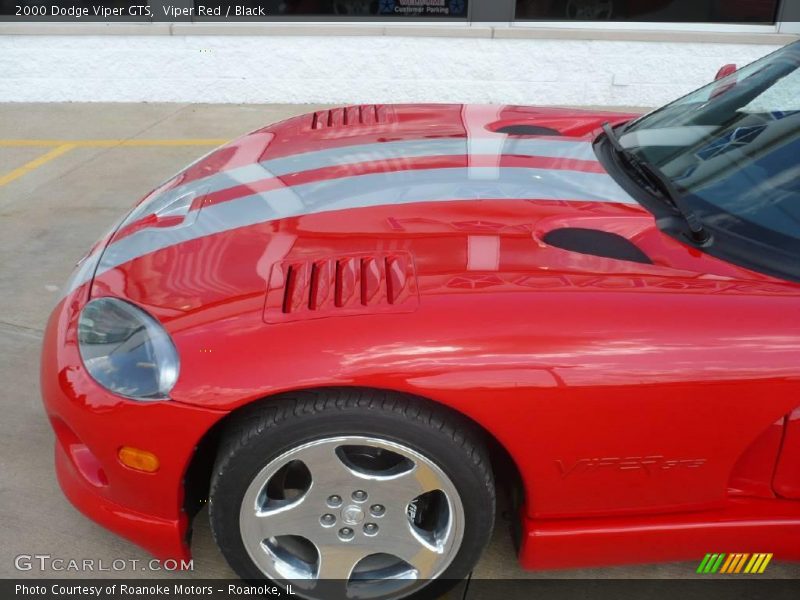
(359,68)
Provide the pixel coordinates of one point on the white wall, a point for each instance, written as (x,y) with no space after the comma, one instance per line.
(341,69)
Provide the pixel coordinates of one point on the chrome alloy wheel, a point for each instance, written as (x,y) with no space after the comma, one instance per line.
(368,514)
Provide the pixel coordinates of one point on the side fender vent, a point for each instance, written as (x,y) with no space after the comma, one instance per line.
(596,243)
(351,116)
(347,285)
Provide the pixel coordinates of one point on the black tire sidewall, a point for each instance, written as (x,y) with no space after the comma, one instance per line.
(245,460)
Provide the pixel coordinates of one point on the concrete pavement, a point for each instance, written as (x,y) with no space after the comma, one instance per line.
(50,213)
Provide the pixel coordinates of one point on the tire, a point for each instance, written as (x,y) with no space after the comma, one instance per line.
(278,455)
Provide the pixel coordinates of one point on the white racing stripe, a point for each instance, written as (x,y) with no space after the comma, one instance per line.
(379,152)
(368,190)
(378,189)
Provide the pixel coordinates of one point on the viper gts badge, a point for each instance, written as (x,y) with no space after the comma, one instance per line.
(647,464)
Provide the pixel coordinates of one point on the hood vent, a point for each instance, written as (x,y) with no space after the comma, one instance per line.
(596,243)
(521,129)
(351,116)
(308,289)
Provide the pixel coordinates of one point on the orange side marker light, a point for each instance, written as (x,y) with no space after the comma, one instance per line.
(140,460)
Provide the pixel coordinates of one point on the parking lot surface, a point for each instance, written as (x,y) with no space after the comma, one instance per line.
(67,171)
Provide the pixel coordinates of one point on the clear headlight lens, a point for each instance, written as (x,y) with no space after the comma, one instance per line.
(126,350)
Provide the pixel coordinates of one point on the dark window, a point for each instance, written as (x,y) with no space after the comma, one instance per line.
(668,11)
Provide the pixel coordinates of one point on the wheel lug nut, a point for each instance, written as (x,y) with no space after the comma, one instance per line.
(345,534)
(370,529)
(359,495)
(377,510)
(327,520)
(334,501)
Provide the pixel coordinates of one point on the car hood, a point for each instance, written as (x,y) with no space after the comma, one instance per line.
(336,207)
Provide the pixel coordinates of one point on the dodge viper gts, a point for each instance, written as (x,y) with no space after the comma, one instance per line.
(344,332)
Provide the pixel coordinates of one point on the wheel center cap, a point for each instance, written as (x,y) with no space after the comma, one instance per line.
(352,515)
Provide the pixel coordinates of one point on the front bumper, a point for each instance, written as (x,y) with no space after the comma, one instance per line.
(91,425)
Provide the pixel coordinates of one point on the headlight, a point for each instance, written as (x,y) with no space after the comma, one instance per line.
(126,350)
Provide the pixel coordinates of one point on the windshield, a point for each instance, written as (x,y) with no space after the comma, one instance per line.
(732,150)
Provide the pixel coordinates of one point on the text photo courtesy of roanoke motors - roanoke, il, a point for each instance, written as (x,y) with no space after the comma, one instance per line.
(338,299)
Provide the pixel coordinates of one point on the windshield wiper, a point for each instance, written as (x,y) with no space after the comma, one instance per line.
(661,185)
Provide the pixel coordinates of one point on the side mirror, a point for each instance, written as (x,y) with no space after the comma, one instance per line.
(721,88)
(725,71)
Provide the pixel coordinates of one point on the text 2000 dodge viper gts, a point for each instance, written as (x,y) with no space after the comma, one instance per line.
(345,329)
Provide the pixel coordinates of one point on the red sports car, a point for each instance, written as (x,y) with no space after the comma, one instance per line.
(345,330)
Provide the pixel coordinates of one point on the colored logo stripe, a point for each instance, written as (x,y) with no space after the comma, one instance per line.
(734,563)
(710,563)
(727,564)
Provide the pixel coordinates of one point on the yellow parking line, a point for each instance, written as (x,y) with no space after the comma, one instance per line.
(111,143)
(199,142)
(35,163)
(62,146)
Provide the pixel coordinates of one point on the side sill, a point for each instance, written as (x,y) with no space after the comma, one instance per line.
(751,525)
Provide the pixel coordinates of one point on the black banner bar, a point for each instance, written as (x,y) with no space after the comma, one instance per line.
(459,11)
(732,587)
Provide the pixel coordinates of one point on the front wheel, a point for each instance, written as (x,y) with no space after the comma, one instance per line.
(352,493)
